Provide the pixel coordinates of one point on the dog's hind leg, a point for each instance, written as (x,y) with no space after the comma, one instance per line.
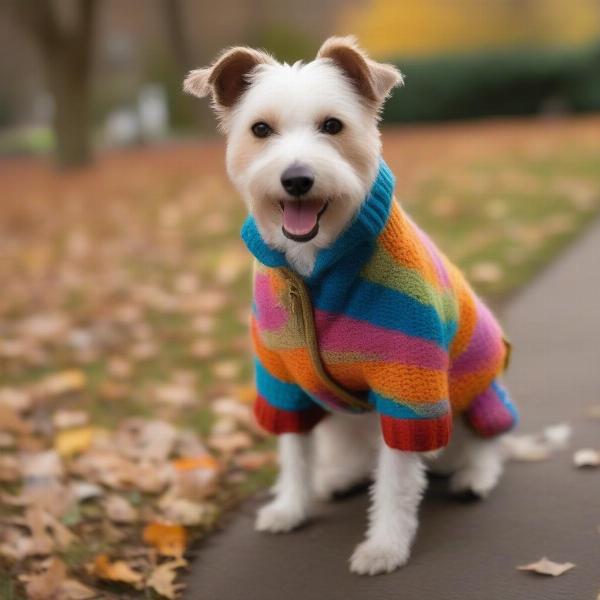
(479,462)
(396,494)
(345,452)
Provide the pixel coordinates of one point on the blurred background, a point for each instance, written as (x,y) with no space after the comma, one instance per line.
(105,73)
(125,380)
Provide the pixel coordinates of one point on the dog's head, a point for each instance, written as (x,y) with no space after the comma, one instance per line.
(303,145)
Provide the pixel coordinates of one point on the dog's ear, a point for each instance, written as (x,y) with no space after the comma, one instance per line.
(227,78)
(373,80)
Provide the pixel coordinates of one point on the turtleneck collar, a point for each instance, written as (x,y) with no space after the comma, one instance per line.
(366,225)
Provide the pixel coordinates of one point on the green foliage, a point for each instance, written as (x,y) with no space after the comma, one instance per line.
(515,82)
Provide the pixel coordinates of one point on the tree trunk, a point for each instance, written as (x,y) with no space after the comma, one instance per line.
(63,33)
(68,81)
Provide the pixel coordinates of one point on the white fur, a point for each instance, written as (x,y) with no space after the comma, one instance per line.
(293,492)
(295,99)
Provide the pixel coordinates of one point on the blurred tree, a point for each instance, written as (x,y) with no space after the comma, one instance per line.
(63,32)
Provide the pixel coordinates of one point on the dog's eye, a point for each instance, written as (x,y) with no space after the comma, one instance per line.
(261,130)
(331,126)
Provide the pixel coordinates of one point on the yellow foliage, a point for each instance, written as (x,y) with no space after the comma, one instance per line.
(417,27)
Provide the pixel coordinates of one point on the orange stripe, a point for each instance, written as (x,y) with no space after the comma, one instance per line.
(407,382)
(401,242)
(270,360)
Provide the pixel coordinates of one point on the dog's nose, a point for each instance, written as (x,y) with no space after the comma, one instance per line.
(297,180)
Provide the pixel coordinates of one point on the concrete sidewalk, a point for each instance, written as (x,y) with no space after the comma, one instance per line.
(465,551)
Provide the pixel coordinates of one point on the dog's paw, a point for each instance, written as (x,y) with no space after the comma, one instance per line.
(277,517)
(473,483)
(372,557)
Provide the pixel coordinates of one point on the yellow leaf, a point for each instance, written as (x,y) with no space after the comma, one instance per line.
(115,571)
(167,539)
(73,441)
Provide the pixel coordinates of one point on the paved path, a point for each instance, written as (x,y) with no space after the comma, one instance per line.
(465,551)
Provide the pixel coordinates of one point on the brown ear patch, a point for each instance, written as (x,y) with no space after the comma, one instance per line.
(373,80)
(226,79)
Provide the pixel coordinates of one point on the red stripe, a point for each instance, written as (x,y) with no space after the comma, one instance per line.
(276,420)
(416,435)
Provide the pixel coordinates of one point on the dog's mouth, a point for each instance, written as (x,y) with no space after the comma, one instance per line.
(301,218)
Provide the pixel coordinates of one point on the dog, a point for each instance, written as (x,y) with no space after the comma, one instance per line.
(372,352)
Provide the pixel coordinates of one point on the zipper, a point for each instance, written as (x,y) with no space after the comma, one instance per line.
(301,308)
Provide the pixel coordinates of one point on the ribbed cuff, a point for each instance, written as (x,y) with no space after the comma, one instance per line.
(277,421)
(416,435)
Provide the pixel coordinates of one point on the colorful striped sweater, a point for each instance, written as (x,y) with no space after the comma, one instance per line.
(384,322)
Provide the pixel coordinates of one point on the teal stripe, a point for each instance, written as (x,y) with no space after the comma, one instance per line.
(404,409)
(280,394)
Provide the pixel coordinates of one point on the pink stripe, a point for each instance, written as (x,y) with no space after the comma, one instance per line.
(270,314)
(488,415)
(485,347)
(338,333)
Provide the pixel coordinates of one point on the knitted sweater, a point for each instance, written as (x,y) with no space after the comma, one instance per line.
(384,322)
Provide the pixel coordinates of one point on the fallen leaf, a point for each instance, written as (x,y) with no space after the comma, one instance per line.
(46,585)
(12,422)
(486,272)
(255,460)
(118,570)
(586,457)
(545,566)
(42,542)
(186,512)
(167,539)
(73,441)
(59,384)
(67,419)
(162,578)
(120,510)
(230,443)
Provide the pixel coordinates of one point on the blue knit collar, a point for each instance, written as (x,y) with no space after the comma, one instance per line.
(366,226)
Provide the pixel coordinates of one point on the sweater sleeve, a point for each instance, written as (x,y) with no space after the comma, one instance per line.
(281,406)
(413,406)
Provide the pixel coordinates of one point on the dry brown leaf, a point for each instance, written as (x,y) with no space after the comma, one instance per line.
(185,512)
(67,419)
(544,566)
(120,510)
(230,443)
(176,394)
(11,421)
(118,570)
(10,468)
(162,579)
(46,585)
(64,382)
(586,457)
(166,538)
(226,369)
(36,522)
(255,460)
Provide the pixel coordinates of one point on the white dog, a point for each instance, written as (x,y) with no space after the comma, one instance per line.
(304,151)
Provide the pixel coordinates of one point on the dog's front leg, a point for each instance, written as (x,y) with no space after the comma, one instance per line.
(395,496)
(293,493)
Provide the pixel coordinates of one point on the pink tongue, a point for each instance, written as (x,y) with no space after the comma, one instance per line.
(300,217)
